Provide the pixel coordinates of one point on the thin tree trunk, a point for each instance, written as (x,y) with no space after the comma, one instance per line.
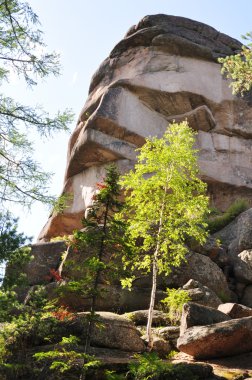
(154,278)
(152,301)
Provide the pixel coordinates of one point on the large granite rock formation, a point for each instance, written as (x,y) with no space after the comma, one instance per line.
(164,69)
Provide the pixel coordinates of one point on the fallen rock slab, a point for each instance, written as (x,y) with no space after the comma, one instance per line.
(235,310)
(194,314)
(222,339)
(112,331)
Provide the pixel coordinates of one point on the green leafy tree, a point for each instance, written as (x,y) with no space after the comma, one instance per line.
(165,205)
(238,68)
(23,52)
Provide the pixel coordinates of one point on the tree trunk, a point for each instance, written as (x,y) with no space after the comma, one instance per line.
(152,301)
(154,277)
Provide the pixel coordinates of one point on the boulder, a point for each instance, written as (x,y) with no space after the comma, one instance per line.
(44,258)
(237,236)
(216,251)
(222,339)
(201,294)
(247,296)
(140,317)
(197,315)
(170,334)
(114,331)
(111,298)
(161,346)
(110,331)
(243,267)
(202,269)
(235,310)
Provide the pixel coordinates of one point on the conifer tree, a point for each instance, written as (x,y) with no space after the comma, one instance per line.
(101,240)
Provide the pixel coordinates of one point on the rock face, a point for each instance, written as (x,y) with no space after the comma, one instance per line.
(164,69)
(218,340)
(201,294)
(234,310)
(198,315)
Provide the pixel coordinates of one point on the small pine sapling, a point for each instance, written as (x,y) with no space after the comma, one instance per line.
(102,237)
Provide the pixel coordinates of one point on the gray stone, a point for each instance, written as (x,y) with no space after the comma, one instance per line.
(247,296)
(161,346)
(235,310)
(222,339)
(169,332)
(112,298)
(243,267)
(201,294)
(140,317)
(202,269)
(198,315)
(45,257)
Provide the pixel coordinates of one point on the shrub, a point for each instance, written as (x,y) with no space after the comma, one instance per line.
(150,367)
(174,302)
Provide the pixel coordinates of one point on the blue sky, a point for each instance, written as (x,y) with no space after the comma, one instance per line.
(84,32)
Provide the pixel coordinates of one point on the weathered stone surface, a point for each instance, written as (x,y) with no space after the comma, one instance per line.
(161,346)
(45,256)
(140,317)
(201,294)
(235,310)
(113,298)
(218,340)
(164,69)
(237,236)
(202,269)
(115,331)
(198,315)
(214,250)
(243,267)
(247,296)
(169,332)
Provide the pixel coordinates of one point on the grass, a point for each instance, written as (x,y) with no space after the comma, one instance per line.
(218,222)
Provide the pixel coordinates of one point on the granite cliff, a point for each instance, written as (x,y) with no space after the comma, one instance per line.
(164,69)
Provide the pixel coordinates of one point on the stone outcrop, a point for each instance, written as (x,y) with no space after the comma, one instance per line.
(164,69)
(198,315)
(202,269)
(222,339)
(201,294)
(235,310)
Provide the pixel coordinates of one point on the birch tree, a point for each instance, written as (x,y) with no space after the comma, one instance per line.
(166,203)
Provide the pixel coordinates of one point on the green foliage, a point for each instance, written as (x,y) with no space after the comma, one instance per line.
(23,52)
(165,185)
(100,242)
(10,238)
(63,358)
(112,375)
(165,204)
(238,67)
(218,222)
(173,303)
(62,203)
(150,367)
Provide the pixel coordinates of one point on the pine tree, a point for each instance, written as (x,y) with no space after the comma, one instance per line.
(101,240)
